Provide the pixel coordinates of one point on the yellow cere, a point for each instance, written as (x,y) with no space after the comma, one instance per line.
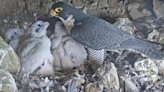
(54,13)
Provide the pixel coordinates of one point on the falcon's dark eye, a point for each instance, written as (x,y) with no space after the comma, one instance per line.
(59,9)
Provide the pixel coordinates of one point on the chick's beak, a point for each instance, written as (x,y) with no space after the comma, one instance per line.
(21,33)
(46,24)
(53,13)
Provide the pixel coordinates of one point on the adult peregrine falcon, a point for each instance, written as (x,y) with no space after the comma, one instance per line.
(96,33)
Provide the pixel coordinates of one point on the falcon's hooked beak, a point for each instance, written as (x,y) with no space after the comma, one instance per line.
(53,13)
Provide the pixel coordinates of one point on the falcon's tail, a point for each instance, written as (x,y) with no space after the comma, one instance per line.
(145,47)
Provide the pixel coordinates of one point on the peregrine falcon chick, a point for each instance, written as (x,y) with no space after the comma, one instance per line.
(67,52)
(59,33)
(12,37)
(35,50)
(98,34)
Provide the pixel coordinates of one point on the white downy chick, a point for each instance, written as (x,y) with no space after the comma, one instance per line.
(34,51)
(59,33)
(12,37)
(75,51)
(67,52)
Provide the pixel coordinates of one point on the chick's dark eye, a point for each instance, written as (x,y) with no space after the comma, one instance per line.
(15,32)
(71,56)
(39,25)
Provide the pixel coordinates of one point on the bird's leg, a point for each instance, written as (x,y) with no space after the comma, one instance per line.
(86,68)
(122,55)
(68,23)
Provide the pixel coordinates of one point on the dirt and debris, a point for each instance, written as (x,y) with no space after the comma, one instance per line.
(125,71)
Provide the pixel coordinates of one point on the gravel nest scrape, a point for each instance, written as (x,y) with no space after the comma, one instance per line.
(149,25)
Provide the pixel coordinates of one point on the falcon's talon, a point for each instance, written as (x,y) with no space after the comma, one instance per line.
(70,17)
(87,63)
(74,70)
(68,23)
